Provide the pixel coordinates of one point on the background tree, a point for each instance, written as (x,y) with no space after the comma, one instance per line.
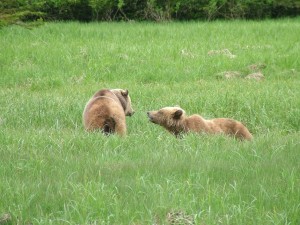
(14,11)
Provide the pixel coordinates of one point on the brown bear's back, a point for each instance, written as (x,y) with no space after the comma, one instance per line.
(102,112)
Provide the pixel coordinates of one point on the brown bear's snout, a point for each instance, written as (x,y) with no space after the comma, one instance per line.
(150,116)
(131,113)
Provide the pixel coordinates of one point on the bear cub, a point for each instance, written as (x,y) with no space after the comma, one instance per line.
(175,120)
(106,111)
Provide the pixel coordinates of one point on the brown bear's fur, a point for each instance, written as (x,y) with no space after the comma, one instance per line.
(106,111)
(175,121)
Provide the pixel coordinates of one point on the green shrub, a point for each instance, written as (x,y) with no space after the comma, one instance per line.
(12,11)
(101,9)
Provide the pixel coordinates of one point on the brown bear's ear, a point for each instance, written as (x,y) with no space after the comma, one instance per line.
(124,92)
(177,114)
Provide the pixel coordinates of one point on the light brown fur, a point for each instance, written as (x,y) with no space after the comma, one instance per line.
(106,111)
(175,121)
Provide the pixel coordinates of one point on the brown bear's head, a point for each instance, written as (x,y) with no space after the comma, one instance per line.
(166,117)
(125,100)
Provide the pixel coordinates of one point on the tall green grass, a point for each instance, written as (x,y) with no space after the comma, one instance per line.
(53,172)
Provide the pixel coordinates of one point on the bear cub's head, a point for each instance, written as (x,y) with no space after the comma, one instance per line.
(166,116)
(125,100)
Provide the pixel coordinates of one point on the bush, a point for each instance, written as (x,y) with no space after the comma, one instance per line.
(13,11)
(155,10)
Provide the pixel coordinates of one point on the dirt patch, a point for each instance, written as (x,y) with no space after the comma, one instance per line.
(257,67)
(230,74)
(5,218)
(252,71)
(179,217)
(224,52)
(255,76)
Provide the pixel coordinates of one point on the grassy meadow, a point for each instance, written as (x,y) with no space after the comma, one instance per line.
(53,172)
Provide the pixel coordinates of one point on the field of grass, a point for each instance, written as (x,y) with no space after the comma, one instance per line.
(53,172)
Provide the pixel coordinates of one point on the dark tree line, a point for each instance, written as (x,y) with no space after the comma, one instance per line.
(140,10)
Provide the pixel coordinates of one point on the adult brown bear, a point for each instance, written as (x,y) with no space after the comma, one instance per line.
(177,122)
(106,111)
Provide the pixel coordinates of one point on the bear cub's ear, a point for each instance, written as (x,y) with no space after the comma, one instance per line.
(177,114)
(124,93)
